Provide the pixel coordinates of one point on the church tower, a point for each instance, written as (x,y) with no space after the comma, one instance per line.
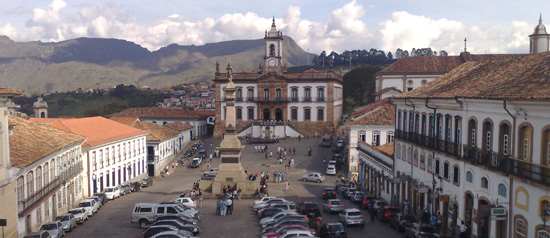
(539,41)
(273,61)
(40,109)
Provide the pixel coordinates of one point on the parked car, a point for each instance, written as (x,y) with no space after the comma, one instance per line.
(112,192)
(331,170)
(311,209)
(313,177)
(37,234)
(102,197)
(54,228)
(79,214)
(259,206)
(153,230)
(68,221)
(202,154)
(420,231)
(184,220)
(285,218)
(334,229)
(379,204)
(125,189)
(146,182)
(333,205)
(97,201)
(187,227)
(388,212)
(401,221)
(135,186)
(351,216)
(349,193)
(211,172)
(343,188)
(89,205)
(195,163)
(332,162)
(366,200)
(329,193)
(264,199)
(357,197)
(281,230)
(283,223)
(296,233)
(186,201)
(278,216)
(173,234)
(146,213)
(285,206)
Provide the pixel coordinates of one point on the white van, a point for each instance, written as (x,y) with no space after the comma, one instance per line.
(112,192)
(147,213)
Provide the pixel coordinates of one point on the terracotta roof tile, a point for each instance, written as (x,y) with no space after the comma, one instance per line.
(526,77)
(385,148)
(204,113)
(156,132)
(32,141)
(369,108)
(129,121)
(383,115)
(385,90)
(49,120)
(179,126)
(98,130)
(157,112)
(9,92)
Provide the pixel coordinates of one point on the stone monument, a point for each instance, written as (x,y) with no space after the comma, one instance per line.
(230,172)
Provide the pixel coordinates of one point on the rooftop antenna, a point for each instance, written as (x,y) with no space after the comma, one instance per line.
(465,45)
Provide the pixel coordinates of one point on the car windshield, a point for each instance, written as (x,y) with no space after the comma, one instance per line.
(84,204)
(354,214)
(178,209)
(47,227)
(335,228)
(62,218)
(426,229)
(336,203)
(109,190)
(75,212)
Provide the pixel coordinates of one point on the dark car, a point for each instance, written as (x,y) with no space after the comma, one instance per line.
(335,229)
(187,227)
(146,182)
(182,219)
(329,193)
(135,186)
(102,197)
(270,211)
(420,231)
(400,221)
(311,209)
(343,188)
(202,154)
(388,212)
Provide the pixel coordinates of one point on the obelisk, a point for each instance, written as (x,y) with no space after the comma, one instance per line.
(230,172)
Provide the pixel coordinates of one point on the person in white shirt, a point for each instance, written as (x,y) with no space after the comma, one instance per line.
(463,229)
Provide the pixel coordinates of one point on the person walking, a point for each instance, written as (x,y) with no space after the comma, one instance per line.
(309,151)
(299,138)
(294,151)
(287,185)
(210,158)
(229,206)
(463,229)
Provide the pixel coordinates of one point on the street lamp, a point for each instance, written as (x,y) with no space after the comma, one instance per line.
(544,215)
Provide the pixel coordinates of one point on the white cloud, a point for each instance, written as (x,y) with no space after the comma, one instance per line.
(344,28)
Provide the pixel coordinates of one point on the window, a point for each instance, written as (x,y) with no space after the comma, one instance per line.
(432,126)
(30,184)
(404,153)
(423,125)
(484,183)
(398,151)
(266,93)
(525,138)
(546,147)
(405,122)
(430,163)
(307,93)
(239,95)
(415,158)
(502,190)
(294,94)
(439,126)
(469,177)
(416,123)
(107,156)
(307,114)
(38,178)
(59,201)
(456,175)
(65,196)
(320,94)
(362,136)
(422,161)
(376,138)
(250,113)
(399,120)
(294,113)
(278,93)
(272,50)
(52,170)
(46,174)
(94,165)
(39,214)
(320,114)
(409,155)
(250,93)
(543,234)
(458,130)
(20,189)
(448,126)
(446,170)
(521,228)
(472,129)
(487,138)
(239,112)
(100,159)
(411,122)
(47,209)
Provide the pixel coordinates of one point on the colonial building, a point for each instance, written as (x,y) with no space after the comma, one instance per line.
(163,116)
(163,142)
(475,144)
(289,104)
(50,176)
(113,152)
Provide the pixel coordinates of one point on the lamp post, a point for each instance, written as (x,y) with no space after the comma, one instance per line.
(544,215)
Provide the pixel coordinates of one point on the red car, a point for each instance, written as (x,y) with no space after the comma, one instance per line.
(279,231)
(366,200)
(388,212)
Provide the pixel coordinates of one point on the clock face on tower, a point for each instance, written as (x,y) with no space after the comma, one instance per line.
(272,62)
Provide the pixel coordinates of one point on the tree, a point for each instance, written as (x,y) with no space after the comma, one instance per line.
(359,86)
(390,56)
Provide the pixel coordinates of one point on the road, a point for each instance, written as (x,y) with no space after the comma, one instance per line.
(113,219)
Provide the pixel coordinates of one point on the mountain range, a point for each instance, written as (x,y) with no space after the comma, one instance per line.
(38,67)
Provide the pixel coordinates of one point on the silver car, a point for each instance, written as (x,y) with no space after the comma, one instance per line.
(68,221)
(54,228)
(313,177)
(79,214)
(125,189)
(333,205)
(211,172)
(351,216)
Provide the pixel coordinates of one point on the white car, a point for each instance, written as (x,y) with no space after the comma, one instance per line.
(266,220)
(89,205)
(332,163)
(265,204)
(186,201)
(80,214)
(112,192)
(331,170)
(313,177)
(264,199)
(54,228)
(296,233)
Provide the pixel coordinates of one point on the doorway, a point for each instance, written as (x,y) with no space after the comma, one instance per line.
(455,218)
(469,206)
(267,114)
(484,221)
(54,212)
(278,114)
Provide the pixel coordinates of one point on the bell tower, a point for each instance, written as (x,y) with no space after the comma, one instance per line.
(40,108)
(273,61)
(539,41)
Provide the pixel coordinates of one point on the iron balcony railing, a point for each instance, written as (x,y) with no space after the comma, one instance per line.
(533,172)
(448,147)
(321,99)
(43,192)
(491,160)
(269,99)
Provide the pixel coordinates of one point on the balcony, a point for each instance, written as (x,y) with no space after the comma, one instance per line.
(491,160)
(268,99)
(307,99)
(533,172)
(294,99)
(430,142)
(38,196)
(239,99)
(320,99)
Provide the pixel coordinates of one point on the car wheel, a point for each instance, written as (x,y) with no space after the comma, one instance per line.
(319,181)
(143,223)
(304,179)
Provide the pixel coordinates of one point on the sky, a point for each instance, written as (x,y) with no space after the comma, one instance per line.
(491,26)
